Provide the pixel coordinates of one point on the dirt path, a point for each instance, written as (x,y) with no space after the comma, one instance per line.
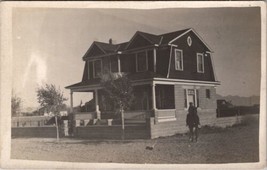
(236,144)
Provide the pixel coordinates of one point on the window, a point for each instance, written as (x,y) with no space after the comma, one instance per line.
(200,63)
(208,93)
(141,61)
(191,95)
(165,97)
(94,69)
(97,68)
(178,59)
(114,64)
(90,66)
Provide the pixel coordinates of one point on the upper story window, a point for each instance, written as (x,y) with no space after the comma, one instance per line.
(141,61)
(114,64)
(200,63)
(94,69)
(97,68)
(178,59)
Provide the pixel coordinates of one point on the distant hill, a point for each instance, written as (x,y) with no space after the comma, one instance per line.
(241,101)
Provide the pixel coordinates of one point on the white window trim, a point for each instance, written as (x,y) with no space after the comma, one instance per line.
(201,54)
(136,61)
(189,41)
(182,60)
(195,97)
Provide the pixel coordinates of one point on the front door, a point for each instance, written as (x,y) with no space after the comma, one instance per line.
(191,99)
(191,96)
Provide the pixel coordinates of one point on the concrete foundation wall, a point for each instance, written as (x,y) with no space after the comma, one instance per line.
(112,132)
(179,127)
(42,132)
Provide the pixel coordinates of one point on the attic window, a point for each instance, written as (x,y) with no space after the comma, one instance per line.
(189,41)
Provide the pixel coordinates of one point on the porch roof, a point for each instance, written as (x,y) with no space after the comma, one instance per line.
(95,83)
(84,86)
(90,86)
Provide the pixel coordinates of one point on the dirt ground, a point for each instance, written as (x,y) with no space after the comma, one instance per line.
(229,145)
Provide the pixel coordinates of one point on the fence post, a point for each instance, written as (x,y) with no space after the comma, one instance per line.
(237,116)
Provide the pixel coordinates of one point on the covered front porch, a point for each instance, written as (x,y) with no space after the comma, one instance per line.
(150,100)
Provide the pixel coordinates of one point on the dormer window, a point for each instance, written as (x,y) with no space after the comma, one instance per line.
(141,61)
(179,60)
(97,68)
(200,63)
(114,64)
(94,69)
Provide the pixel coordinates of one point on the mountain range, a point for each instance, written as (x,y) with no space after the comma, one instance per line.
(241,101)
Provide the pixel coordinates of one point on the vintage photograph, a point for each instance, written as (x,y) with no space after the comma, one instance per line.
(136,86)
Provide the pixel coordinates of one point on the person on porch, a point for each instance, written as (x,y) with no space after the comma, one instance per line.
(192,121)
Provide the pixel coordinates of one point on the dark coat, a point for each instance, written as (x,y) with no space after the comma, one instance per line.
(192,118)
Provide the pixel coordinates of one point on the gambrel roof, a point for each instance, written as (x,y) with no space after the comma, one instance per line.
(166,38)
(147,38)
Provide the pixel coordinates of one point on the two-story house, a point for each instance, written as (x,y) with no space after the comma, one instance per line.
(168,71)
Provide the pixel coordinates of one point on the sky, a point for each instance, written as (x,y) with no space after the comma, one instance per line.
(49,43)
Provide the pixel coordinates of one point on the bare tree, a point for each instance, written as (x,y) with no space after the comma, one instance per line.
(52,99)
(119,90)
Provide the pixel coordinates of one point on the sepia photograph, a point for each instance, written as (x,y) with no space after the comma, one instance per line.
(148,85)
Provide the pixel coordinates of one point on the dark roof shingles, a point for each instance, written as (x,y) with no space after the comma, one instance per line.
(154,39)
(170,36)
(107,47)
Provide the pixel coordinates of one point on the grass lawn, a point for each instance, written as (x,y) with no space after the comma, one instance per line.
(229,145)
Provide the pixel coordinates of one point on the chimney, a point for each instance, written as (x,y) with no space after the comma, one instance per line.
(110,41)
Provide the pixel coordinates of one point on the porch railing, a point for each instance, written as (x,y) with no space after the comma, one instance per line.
(83,118)
(165,115)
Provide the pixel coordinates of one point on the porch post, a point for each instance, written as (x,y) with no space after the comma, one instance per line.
(153,97)
(119,64)
(71,101)
(96,105)
(155,59)
(154,107)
